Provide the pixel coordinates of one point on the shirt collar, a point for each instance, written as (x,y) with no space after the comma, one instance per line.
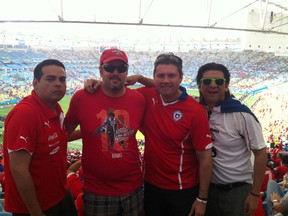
(183,96)
(46,110)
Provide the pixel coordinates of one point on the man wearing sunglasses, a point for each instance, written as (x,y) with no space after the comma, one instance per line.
(109,120)
(236,132)
(178,162)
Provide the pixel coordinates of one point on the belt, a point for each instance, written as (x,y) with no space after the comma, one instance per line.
(228,187)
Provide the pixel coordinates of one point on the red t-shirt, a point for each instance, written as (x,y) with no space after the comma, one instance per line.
(173,132)
(280,172)
(32,126)
(110,157)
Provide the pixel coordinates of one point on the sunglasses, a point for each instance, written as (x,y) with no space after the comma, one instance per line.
(112,68)
(208,81)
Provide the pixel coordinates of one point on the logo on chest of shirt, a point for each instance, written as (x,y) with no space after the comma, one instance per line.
(177,115)
(53,136)
(154,101)
(47,124)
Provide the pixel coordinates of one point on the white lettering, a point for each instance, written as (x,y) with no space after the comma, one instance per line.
(116,155)
(53,136)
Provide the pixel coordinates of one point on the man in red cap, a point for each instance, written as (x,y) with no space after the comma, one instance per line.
(109,120)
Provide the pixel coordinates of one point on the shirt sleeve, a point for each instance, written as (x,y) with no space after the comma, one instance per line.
(21,129)
(200,131)
(251,130)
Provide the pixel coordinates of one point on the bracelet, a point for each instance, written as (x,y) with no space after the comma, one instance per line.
(275,200)
(203,200)
(257,195)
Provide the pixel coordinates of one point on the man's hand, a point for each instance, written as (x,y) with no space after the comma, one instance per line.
(198,209)
(251,204)
(91,85)
(131,80)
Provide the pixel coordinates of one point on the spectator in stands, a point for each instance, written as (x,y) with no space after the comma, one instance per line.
(276,156)
(269,175)
(276,200)
(109,121)
(281,170)
(176,132)
(235,187)
(284,183)
(35,146)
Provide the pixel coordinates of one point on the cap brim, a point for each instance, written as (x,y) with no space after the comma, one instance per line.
(114,58)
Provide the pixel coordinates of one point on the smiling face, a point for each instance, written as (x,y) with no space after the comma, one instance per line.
(51,87)
(167,81)
(213,93)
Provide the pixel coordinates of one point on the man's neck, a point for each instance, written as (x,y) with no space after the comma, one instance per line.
(51,105)
(116,93)
(172,99)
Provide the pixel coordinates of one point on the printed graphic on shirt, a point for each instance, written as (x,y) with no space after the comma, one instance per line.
(115,130)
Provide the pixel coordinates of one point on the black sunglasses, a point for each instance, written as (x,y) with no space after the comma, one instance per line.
(208,81)
(111,68)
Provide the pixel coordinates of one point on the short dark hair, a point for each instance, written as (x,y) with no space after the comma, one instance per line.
(169,58)
(38,69)
(212,66)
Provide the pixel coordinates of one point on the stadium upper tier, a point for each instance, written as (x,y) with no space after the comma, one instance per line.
(250,70)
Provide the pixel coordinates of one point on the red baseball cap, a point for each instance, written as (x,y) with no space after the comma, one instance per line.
(112,54)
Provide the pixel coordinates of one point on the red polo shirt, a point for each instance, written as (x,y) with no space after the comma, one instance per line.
(32,126)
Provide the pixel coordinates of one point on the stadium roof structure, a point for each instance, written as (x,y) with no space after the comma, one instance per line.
(272,15)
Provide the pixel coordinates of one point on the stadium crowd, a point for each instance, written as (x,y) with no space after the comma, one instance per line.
(250,70)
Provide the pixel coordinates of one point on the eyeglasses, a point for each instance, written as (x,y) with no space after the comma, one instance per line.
(218,81)
(111,68)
